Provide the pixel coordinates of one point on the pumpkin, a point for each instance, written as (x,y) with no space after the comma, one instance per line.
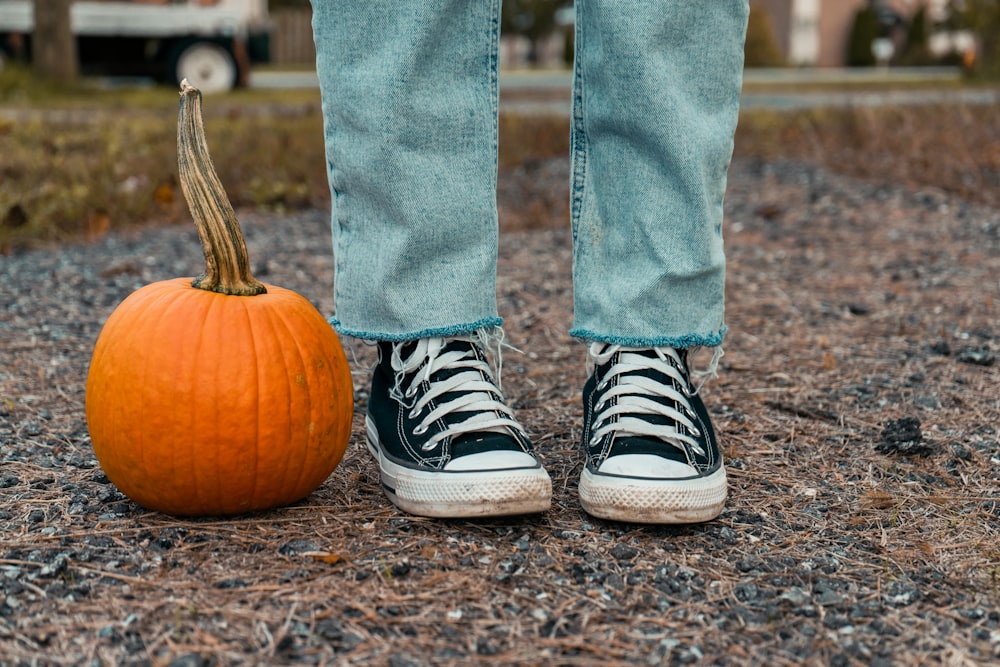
(216,395)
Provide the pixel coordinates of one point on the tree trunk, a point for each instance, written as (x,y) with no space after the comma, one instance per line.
(53,46)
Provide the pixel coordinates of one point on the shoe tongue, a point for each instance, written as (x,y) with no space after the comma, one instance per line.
(633,444)
(459,345)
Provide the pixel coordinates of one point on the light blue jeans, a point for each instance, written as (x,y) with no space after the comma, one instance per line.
(410,101)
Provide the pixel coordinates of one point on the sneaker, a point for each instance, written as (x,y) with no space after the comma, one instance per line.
(652,456)
(446,443)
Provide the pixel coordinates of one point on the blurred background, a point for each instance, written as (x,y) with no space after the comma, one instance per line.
(901,90)
(160,38)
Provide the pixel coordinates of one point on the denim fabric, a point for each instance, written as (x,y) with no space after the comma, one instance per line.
(655,104)
(410,119)
(410,108)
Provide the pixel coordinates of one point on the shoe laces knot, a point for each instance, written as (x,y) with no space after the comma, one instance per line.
(450,380)
(645,395)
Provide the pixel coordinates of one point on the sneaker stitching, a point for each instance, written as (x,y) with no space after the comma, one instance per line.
(413,449)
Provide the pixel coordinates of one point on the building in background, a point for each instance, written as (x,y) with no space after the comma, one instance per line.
(815,33)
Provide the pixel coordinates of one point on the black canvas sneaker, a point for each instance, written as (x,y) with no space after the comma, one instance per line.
(652,456)
(447,444)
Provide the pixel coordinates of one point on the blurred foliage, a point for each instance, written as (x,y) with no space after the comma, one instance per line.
(78,162)
(864,30)
(288,4)
(916,48)
(524,138)
(982,17)
(761,48)
(952,148)
(533,19)
(19,85)
(62,180)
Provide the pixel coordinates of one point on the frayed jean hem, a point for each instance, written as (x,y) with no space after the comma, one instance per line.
(456,330)
(677,342)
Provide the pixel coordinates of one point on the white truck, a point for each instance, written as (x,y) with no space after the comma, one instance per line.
(212,43)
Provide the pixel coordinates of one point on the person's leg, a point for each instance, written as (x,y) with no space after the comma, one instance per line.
(410,119)
(656,100)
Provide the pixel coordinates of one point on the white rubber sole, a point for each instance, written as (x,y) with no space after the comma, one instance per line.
(463,494)
(639,500)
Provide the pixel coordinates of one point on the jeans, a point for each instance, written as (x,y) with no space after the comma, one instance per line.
(410,103)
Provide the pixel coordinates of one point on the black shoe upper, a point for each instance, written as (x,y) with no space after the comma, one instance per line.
(694,443)
(396,394)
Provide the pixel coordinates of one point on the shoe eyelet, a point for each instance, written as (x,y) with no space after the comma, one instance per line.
(420,429)
(412,414)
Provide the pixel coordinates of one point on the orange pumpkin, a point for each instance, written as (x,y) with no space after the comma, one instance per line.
(217,395)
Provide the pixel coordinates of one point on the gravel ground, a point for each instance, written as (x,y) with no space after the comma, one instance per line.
(858,404)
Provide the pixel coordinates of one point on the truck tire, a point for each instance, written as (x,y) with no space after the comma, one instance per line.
(206,65)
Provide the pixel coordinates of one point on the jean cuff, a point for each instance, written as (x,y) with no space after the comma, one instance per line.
(676,342)
(455,330)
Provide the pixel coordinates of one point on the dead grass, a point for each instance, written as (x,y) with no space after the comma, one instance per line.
(75,166)
(852,303)
(97,172)
(953,148)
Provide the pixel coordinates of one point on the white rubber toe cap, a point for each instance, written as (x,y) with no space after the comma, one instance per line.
(648,466)
(496,460)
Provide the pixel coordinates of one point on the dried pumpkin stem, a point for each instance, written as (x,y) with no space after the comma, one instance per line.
(227,266)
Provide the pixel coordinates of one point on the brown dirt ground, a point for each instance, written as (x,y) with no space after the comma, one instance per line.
(852,306)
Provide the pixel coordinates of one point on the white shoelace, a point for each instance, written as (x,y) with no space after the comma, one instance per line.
(636,396)
(473,393)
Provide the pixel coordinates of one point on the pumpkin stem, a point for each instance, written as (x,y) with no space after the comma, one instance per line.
(227,266)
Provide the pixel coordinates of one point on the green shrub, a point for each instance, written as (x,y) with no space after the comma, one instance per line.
(983,17)
(859,43)
(916,51)
(761,48)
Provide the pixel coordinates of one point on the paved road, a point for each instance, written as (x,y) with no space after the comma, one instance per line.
(816,99)
(780,90)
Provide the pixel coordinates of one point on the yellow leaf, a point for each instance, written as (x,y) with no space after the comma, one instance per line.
(164,194)
(324,557)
